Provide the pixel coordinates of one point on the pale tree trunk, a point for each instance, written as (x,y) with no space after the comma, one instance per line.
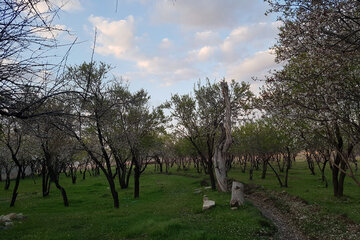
(224,143)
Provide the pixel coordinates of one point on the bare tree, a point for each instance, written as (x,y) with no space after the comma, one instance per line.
(28,70)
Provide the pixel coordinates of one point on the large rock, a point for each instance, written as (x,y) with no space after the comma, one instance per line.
(207,204)
(237,194)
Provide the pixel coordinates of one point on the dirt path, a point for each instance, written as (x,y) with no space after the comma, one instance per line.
(285,227)
(296,219)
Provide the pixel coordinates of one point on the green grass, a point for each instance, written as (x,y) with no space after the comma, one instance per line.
(168,208)
(310,188)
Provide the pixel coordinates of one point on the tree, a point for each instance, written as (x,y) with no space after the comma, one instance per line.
(90,110)
(201,118)
(140,126)
(26,40)
(11,136)
(319,42)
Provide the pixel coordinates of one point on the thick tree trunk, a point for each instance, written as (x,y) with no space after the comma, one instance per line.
(220,170)
(224,143)
(237,194)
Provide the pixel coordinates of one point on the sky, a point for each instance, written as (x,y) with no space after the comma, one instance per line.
(166,46)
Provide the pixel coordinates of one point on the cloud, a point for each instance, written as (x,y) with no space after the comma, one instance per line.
(206,38)
(255,66)
(69,5)
(204,53)
(244,38)
(165,43)
(207,14)
(115,37)
(167,69)
(65,5)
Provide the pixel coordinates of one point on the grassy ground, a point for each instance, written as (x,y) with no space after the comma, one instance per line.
(310,188)
(168,208)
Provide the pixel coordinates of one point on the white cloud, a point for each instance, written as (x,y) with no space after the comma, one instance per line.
(65,5)
(205,53)
(243,38)
(165,43)
(255,66)
(167,69)
(115,37)
(69,5)
(207,14)
(206,38)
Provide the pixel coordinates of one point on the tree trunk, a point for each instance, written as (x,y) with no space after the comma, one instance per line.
(7,181)
(16,187)
(136,181)
(276,174)
(310,163)
(237,194)
(63,192)
(288,166)
(224,143)
(129,174)
(84,174)
(264,165)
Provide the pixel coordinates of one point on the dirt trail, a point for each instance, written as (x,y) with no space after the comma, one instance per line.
(286,229)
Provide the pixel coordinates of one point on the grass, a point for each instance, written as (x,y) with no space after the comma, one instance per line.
(168,208)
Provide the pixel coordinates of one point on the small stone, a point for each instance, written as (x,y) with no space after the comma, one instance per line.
(207,188)
(234,208)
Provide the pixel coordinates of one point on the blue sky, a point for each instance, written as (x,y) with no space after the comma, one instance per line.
(165,46)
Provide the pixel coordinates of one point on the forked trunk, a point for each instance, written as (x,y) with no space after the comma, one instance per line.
(224,143)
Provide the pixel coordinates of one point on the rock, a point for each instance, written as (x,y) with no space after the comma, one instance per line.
(20,216)
(11,216)
(237,194)
(207,188)
(207,204)
(5,219)
(234,208)
(8,225)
